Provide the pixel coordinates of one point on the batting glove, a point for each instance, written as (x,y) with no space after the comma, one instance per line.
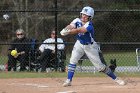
(64,32)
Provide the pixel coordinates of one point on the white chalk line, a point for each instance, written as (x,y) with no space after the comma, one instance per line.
(114,86)
(30,84)
(67,92)
(38,86)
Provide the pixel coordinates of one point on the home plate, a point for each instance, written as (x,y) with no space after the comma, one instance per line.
(67,92)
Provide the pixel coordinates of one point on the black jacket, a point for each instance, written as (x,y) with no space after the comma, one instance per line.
(20,45)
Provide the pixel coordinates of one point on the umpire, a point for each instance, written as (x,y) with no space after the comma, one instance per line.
(19,44)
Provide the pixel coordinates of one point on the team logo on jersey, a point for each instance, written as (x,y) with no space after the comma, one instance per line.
(85,10)
(80,34)
(79,24)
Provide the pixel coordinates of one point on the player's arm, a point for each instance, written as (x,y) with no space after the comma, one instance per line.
(42,46)
(71,30)
(78,30)
(70,27)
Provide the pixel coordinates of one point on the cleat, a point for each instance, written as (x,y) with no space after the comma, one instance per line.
(120,81)
(67,83)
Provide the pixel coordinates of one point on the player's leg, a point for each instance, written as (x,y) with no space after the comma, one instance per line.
(77,53)
(11,63)
(102,58)
(92,53)
(22,60)
(44,60)
(112,65)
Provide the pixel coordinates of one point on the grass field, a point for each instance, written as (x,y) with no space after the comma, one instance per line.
(3,59)
(122,58)
(58,75)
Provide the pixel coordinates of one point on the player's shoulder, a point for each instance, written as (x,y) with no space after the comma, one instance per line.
(77,19)
(60,39)
(48,39)
(89,23)
(15,40)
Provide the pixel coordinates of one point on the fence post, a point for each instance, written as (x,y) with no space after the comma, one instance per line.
(138,56)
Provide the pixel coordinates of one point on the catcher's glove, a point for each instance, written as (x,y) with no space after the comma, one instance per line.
(112,65)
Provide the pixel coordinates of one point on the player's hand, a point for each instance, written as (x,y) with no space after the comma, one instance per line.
(64,32)
(20,53)
(16,55)
(23,52)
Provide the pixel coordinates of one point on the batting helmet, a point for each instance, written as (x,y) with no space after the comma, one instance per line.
(89,11)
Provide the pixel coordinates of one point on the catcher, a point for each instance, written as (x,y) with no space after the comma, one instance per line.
(22,51)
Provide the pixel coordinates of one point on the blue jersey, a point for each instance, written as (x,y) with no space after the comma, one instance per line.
(84,38)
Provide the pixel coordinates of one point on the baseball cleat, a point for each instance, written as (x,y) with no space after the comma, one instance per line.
(120,81)
(67,83)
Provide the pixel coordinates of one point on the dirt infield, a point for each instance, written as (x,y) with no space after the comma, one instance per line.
(79,85)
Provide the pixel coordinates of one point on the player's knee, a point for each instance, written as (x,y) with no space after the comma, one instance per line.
(73,61)
(102,69)
(106,70)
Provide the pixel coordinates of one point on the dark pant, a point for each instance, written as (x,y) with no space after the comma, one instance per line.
(45,58)
(12,62)
(102,58)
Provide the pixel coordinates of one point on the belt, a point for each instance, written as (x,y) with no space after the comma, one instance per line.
(88,43)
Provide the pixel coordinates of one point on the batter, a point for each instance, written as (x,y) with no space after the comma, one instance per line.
(85,43)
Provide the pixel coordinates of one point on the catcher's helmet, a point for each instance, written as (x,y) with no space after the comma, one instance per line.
(89,11)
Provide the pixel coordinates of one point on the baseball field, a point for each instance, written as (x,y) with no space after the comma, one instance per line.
(28,82)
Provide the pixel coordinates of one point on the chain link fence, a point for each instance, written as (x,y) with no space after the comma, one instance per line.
(116,25)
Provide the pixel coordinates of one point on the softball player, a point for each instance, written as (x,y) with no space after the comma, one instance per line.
(85,43)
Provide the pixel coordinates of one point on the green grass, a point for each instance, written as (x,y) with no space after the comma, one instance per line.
(122,58)
(7,75)
(31,75)
(3,59)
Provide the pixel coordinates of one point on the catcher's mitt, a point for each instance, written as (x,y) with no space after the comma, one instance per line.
(112,65)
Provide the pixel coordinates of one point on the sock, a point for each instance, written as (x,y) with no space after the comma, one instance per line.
(71,70)
(110,73)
